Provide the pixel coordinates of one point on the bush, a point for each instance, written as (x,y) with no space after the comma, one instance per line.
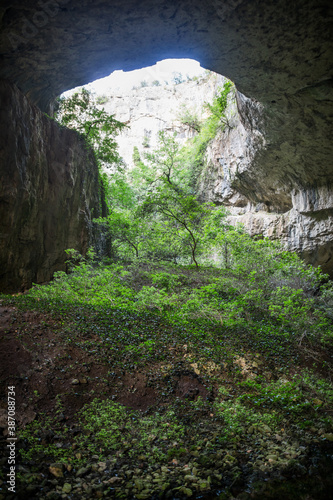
(102,99)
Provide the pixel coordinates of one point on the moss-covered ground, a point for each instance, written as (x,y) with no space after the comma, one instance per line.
(120,396)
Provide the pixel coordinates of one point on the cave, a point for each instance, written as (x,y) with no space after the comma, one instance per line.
(278,53)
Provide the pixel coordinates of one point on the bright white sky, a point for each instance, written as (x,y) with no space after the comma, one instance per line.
(162,71)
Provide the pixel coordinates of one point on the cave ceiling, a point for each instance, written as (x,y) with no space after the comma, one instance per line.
(277,52)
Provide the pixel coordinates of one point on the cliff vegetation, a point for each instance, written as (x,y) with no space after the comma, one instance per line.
(193,363)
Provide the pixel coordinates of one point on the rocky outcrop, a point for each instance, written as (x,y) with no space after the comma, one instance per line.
(302,217)
(49,189)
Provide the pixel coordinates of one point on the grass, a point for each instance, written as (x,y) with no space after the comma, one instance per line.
(254,385)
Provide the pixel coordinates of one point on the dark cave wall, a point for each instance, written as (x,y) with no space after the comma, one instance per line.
(49,188)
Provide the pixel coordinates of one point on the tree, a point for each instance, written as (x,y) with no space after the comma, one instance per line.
(184,216)
(189,117)
(219,105)
(97,127)
(127,232)
(177,78)
(169,201)
(164,163)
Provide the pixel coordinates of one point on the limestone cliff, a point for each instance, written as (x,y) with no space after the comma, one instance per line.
(262,199)
(147,110)
(48,190)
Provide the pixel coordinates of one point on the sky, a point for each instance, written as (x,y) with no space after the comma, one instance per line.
(162,71)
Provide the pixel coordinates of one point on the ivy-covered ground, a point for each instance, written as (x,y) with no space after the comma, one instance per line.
(148,381)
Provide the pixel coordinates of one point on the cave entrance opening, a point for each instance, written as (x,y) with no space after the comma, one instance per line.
(168,96)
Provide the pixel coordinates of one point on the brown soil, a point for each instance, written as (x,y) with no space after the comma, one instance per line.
(36,358)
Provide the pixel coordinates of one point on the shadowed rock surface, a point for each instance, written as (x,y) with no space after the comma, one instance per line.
(49,185)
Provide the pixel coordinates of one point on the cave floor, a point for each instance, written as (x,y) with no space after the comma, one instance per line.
(185,449)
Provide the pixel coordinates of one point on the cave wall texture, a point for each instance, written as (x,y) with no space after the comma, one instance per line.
(48,187)
(278,52)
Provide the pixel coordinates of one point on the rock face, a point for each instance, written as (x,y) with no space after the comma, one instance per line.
(48,189)
(147,110)
(300,217)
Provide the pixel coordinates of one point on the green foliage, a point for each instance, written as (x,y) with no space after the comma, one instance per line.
(156,216)
(283,395)
(128,232)
(145,142)
(177,78)
(102,99)
(165,281)
(223,298)
(236,416)
(97,127)
(194,153)
(182,215)
(324,300)
(150,297)
(114,428)
(219,106)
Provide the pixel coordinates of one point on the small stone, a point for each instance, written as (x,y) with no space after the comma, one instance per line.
(56,470)
(272,458)
(75,381)
(114,479)
(229,459)
(31,488)
(139,484)
(193,479)
(82,471)
(67,488)
(22,469)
